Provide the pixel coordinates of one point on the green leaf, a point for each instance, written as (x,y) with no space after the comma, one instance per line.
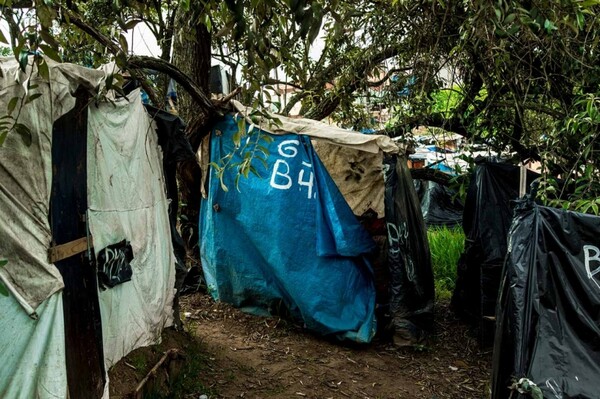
(3,38)
(208,23)
(33,97)
(263,161)
(44,14)
(3,134)
(25,133)
(254,171)
(3,262)
(50,53)
(263,149)
(237,182)
(549,26)
(267,138)
(237,138)
(241,124)
(498,13)
(513,29)
(3,290)
(580,19)
(43,70)
(131,24)
(223,186)
(123,43)
(48,38)
(23,59)
(12,104)
(510,18)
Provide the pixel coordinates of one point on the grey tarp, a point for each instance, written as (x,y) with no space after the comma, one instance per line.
(127,201)
(25,177)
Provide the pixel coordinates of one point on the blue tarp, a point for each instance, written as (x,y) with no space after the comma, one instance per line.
(285,239)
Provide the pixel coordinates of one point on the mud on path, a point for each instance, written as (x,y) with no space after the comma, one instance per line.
(247,356)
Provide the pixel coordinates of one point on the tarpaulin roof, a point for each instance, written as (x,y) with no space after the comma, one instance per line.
(315,129)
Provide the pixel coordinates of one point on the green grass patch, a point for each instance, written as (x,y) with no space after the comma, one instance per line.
(446,245)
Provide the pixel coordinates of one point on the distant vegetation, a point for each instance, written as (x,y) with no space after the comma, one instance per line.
(446,246)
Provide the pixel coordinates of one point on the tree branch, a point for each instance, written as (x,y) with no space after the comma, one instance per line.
(332,100)
(270,81)
(387,76)
(142,62)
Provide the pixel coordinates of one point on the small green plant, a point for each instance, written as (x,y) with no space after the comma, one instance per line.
(446,245)
(139,361)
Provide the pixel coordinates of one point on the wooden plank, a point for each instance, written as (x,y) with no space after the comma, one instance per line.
(64,251)
(68,207)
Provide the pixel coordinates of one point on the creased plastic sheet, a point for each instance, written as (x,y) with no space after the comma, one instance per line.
(127,201)
(33,351)
(25,177)
(438,204)
(486,220)
(286,240)
(358,175)
(411,285)
(548,321)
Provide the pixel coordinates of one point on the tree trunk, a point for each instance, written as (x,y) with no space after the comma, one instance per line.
(192,54)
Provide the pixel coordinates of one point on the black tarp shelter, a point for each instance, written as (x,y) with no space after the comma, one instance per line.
(548,320)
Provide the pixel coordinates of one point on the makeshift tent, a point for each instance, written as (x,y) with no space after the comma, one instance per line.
(486,220)
(381,193)
(297,244)
(548,321)
(89,186)
(439,204)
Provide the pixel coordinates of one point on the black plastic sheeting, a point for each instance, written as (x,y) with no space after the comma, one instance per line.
(548,327)
(486,220)
(439,204)
(412,287)
(176,148)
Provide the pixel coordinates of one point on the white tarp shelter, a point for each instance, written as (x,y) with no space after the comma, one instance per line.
(126,201)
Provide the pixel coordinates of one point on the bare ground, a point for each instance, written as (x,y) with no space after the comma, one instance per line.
(235,355)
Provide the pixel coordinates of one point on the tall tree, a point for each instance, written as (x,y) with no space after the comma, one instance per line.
(525,74)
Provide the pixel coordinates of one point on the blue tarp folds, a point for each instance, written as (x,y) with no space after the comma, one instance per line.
(287,239)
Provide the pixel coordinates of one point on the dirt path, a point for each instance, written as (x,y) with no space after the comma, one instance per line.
(268,358)
(244,356)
